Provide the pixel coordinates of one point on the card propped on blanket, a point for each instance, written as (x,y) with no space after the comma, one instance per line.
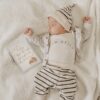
(23,54)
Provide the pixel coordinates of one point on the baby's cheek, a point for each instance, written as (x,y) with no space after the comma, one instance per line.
(56,28)
(53,31)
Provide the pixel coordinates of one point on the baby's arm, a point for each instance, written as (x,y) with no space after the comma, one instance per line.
(33,38)
(87,28)
(82,36)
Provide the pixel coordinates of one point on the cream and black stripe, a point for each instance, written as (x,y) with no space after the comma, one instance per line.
(66,11)
(56,77)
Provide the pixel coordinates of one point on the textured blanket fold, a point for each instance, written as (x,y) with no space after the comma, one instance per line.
(15,16)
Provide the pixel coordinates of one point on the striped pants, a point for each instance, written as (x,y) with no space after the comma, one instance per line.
(62,79)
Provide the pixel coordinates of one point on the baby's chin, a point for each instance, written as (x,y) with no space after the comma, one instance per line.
(55,33)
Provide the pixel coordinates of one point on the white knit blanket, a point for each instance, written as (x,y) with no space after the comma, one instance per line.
(15,16)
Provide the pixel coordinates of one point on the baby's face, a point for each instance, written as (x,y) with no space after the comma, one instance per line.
(54,27)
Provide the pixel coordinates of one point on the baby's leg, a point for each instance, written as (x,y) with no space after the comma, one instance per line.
(68,92)
(42,82)
(40,97)
(68,86)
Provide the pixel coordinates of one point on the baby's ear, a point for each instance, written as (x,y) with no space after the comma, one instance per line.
(49,17)
(73,5)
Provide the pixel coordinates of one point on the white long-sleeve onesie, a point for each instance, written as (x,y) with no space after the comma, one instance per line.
(61,49)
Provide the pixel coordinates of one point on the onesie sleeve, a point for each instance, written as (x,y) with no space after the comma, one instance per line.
(86,32)
(78,43)
(78,38)
(37,40)
(82,36)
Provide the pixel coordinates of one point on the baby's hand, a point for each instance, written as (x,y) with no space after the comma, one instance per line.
(87,19)
(28,32)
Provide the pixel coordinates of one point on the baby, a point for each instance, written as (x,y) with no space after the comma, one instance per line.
(58,70)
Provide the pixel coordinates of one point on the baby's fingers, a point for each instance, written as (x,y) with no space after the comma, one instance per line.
(87,19)
(28,32)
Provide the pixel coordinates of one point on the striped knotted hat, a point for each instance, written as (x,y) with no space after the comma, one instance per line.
(64,16)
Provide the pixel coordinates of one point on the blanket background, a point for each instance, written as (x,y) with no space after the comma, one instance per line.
(15,16)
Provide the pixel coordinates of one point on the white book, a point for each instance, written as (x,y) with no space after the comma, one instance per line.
(23,54)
